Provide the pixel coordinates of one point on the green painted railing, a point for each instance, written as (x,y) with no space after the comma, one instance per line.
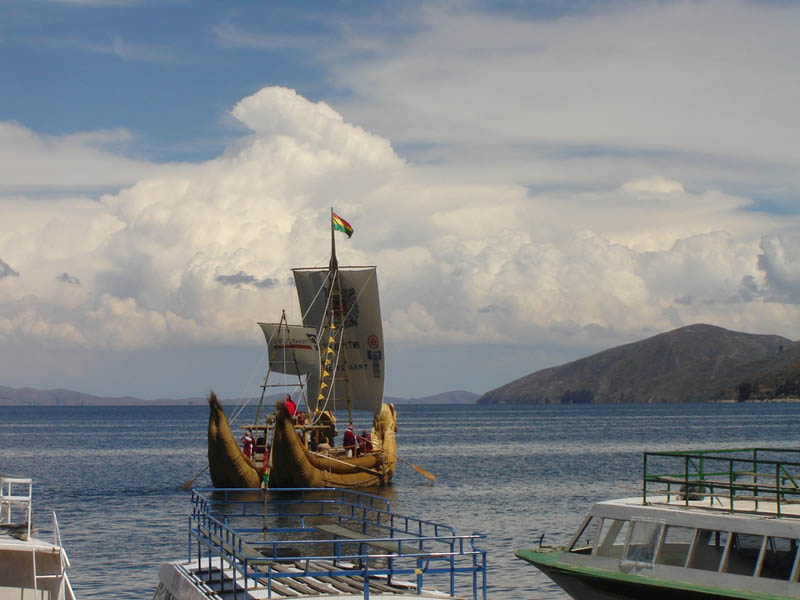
(767,478)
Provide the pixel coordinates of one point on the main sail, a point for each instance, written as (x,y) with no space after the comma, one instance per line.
(360,364)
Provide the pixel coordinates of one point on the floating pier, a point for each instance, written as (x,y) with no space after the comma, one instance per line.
(307,543)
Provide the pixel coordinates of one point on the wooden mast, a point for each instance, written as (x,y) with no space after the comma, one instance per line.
(337,303)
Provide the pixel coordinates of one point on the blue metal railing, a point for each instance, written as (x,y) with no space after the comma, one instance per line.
(327,532)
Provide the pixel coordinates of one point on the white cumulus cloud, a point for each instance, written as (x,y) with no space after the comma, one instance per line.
(197,253)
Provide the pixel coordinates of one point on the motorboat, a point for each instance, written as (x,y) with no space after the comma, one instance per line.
(719,523)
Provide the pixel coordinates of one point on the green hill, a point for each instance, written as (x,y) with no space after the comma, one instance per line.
(692,364)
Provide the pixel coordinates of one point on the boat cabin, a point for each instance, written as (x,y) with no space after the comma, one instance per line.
(643,539)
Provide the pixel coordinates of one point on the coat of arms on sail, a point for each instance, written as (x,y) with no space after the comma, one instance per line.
(349,306)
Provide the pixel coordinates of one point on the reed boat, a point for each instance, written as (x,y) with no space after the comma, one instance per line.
(30,567)
(296,465)
(252,544)
(710,524)
(332,361)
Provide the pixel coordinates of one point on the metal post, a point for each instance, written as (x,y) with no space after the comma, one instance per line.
(644,478)
(452,562)
(366,579)
(419,577)
(731,479)
(686,480)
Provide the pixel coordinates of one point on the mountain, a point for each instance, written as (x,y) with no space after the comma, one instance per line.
(692,364)
(33,397)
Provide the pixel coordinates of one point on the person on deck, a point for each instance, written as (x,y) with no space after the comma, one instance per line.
(349,441)
(247,444)
(364,442)
(290,405)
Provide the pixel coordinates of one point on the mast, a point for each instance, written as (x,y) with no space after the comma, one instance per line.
(333,266)
(337,304)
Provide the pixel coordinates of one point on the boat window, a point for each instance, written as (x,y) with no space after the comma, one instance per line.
(675,549)
(642,543)
(743,555)
(584,541)
(779,555)
(708,549)
(612,537)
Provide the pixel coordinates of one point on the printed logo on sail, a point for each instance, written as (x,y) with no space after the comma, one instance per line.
(372,341)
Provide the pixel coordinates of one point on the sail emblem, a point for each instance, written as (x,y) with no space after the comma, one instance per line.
(349,306)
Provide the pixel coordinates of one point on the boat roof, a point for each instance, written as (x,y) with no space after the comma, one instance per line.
(762,481)
(10,542)
(749,490)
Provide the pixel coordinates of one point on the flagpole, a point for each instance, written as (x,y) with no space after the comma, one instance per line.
(334,265)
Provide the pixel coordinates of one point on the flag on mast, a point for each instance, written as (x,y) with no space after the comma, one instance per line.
(341,225)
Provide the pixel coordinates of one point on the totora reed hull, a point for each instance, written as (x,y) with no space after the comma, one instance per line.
(228,465)
(293,464)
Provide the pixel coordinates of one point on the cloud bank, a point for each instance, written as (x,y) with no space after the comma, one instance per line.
(197,253)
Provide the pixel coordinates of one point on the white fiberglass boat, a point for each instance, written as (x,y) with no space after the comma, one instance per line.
(709,524)
(30,568)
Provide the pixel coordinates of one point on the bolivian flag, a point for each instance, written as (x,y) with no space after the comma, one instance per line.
(342,225)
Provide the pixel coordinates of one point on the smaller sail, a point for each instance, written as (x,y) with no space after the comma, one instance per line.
(292,349)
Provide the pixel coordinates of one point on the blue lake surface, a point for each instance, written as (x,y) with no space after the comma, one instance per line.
(115,475)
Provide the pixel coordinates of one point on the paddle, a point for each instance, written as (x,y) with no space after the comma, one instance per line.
(418,469)
(189,483)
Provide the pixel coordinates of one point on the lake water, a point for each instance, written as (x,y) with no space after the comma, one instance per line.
(115,475)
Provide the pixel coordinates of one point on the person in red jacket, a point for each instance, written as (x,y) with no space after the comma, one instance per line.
(349,441)
(290,405)
(364,442)
(247,444)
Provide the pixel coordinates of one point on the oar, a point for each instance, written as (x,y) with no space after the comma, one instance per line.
(189,483)
(417,468)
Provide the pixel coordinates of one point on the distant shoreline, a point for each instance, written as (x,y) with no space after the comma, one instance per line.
(59,397)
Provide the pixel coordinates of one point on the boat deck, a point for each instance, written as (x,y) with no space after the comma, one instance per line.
(221,583)
(302,543)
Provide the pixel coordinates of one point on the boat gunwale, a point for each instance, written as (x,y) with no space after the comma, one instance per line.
(534,556)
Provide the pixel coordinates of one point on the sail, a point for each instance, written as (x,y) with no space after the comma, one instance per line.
(292,348)
(362,344)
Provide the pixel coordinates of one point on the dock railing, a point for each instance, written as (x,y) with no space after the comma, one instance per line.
(757,480)
(269,535)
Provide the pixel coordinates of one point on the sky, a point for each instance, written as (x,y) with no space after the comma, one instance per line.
(535,181)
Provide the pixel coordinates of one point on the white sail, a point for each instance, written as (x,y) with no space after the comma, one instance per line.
(361,352)
(292,349)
